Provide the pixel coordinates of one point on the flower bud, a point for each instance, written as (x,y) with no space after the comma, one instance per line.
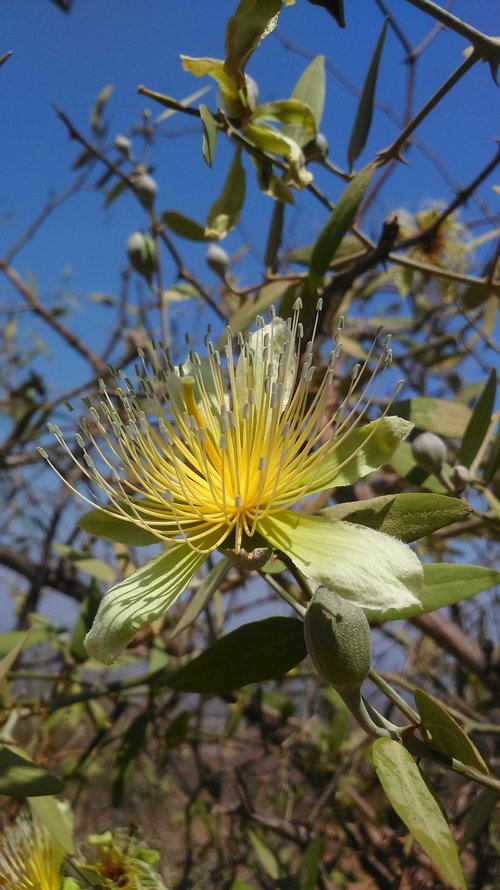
(217,260)
(141,251)
(123,144)
(459,478)
(338,639)
(146,188)
(429,452)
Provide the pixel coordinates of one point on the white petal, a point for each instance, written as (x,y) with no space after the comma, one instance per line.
(140,599)
(365,566)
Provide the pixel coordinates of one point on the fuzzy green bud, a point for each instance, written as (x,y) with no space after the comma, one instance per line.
(338,639)
(459,478)
(146,188)
(141,251)
(429,452)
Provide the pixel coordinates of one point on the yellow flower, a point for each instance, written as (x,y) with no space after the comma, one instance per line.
(120,861)
(214,453)
(30,859)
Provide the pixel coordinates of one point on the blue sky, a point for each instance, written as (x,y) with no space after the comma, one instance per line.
(69,59)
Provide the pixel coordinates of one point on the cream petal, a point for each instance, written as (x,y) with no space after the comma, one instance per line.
(368,567)
(140,599)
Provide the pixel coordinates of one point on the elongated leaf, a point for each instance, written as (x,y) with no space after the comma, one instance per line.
(447,734)
(9,659)
(445,418)
(363,119)
(140,599)
(310,89)
(202,596)
(409,795)
(112,528)
(210,132)
(83,624)
(334,7)
(309,864)
(224,213)
(404,516)
(183,226)
(341,217)
(49,812)
(288,111)
(131,745)
(268,858)
(494,460)
(479,422)
(231,98)
(447,583)
(274,237)
(479,815)
(10,639)
(259,651)
(19,777)
(244,317)
(252,20)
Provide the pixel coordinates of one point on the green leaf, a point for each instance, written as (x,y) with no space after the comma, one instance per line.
(8,660)
(268,140)
(274,236)
(404,516)
(238,884)
(341,218)
(131,745)
(224,213)
(310,89)
(288,111)
(210,132)
(98,108)
(245,29)
(113,528)
(415,805)
(494,461)
(268,858)
(447,583)
(183,226)
(118,189)
(19,777)
(309,864)
(447,734)
(96,568)
(244,317)
(363,119)
(202,596)
(48,811)
(259,651)
(379,573)
(478,815)
(83,624)
(359,452)
(10,639)
(233,103)
(440,416)
(479,422)
(140,599)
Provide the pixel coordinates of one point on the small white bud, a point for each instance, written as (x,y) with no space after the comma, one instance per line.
(429,452)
